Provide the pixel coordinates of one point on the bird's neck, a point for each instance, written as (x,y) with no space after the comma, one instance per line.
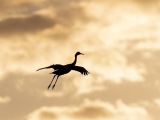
(75,60)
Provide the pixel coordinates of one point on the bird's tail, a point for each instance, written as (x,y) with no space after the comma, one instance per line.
(43,68)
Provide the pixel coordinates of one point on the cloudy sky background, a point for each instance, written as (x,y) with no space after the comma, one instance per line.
(121,43)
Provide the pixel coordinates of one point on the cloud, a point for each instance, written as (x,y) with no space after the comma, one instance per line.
(4,99)
(16,8)
(91,110)
(43,114)
(157,102)
(151,45)
(30,24)
(119,38)
(23,90)
(147,3)
(56,94)
(85,85)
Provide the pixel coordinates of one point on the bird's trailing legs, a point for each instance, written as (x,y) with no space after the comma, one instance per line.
(51,81)
(55,82)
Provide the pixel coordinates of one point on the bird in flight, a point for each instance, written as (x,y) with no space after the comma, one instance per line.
(64,69)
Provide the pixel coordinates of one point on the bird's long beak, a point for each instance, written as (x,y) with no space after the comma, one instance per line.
(82,54)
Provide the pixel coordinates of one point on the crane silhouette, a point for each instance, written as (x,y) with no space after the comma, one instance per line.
(64,69)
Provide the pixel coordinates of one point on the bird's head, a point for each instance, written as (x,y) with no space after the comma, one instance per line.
(78,53)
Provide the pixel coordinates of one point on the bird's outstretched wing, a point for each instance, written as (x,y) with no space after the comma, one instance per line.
(82,70)
(54,66)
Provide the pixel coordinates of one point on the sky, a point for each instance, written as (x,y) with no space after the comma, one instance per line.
(121,43)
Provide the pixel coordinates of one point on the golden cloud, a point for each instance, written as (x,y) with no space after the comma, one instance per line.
(4,99)
(91,110)
(120,40)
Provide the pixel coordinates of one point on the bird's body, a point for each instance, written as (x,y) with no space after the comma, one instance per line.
(64,69)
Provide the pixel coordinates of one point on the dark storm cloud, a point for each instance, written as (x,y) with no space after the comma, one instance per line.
(29,24)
